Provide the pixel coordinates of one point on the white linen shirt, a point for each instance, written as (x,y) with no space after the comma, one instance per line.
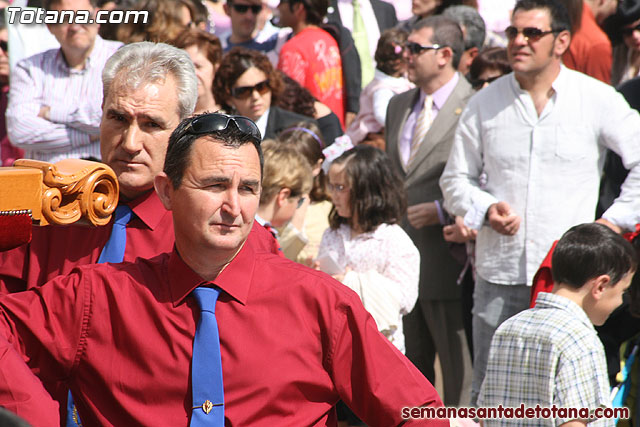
(547,168)
(386,256)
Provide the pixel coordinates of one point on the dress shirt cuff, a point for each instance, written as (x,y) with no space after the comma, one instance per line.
(442,216)
(625,220)
(475,216)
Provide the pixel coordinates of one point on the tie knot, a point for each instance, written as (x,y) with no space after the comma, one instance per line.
(428,101)
(123,215)
(206,298)
(355,3)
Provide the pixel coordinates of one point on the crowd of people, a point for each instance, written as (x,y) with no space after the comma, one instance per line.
(326,207)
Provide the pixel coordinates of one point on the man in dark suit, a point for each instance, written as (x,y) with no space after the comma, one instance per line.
(420,127)
(365,42)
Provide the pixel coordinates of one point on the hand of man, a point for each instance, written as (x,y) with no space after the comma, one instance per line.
(610,225)
(423,214)
(44,112)
(458,232)
(502,219)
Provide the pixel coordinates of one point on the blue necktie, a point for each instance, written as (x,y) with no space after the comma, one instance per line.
(113,251)
(206,367)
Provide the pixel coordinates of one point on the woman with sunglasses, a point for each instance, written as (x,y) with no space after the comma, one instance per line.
(626,55)
(247,84)
(490,64)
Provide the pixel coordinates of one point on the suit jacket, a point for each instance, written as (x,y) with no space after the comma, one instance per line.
(385,14)
(438,269)
(280,119)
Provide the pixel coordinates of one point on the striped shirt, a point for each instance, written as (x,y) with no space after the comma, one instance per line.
(74,98)
(547,355)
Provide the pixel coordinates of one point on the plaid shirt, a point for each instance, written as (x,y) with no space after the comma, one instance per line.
(547,355)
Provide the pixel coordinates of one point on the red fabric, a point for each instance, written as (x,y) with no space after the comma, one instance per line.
(590,49)
(312,58)
(56,250)
(542,281)
(15,230)
(294,342)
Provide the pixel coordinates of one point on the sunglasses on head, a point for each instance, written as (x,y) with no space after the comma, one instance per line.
(416,48)
(243,92)
(627,31)
(243,8)
(529,33)
(213,122)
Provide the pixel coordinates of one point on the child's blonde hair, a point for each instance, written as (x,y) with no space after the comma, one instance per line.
(284,167)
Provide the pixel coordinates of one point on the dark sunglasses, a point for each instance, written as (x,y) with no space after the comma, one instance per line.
(213,122)
(243,8)
(529,33)
(243,92)
(629,30)
(415,48)
(477,84)
(4,46)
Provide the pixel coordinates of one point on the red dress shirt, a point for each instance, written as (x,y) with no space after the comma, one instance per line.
(56,250)
(294,342)
(590,50)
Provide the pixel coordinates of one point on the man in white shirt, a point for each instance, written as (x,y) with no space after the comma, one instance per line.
(55,100)
(536,140)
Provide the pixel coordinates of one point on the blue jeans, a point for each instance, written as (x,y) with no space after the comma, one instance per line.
(492,305)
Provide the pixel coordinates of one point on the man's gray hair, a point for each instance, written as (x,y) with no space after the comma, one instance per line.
(147,62)
(471,22)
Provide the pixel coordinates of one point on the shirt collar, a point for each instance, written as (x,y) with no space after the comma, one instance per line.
(558,84)
(234,280)
(93,57)
(441,95)
(148,208)
(262,122)
(549,300)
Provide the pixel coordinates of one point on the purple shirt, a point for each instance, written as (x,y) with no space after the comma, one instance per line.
(440,96)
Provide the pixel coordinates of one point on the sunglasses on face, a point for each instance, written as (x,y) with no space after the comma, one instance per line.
(300,202)
(529,33)
(478,84)
(4,46)
(243,92)
(415,48)
(629,30)
(213,122)
(243,8)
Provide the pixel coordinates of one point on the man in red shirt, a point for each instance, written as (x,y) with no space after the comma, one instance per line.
(590,48)
(139,114)
(312,56)
(293,340)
